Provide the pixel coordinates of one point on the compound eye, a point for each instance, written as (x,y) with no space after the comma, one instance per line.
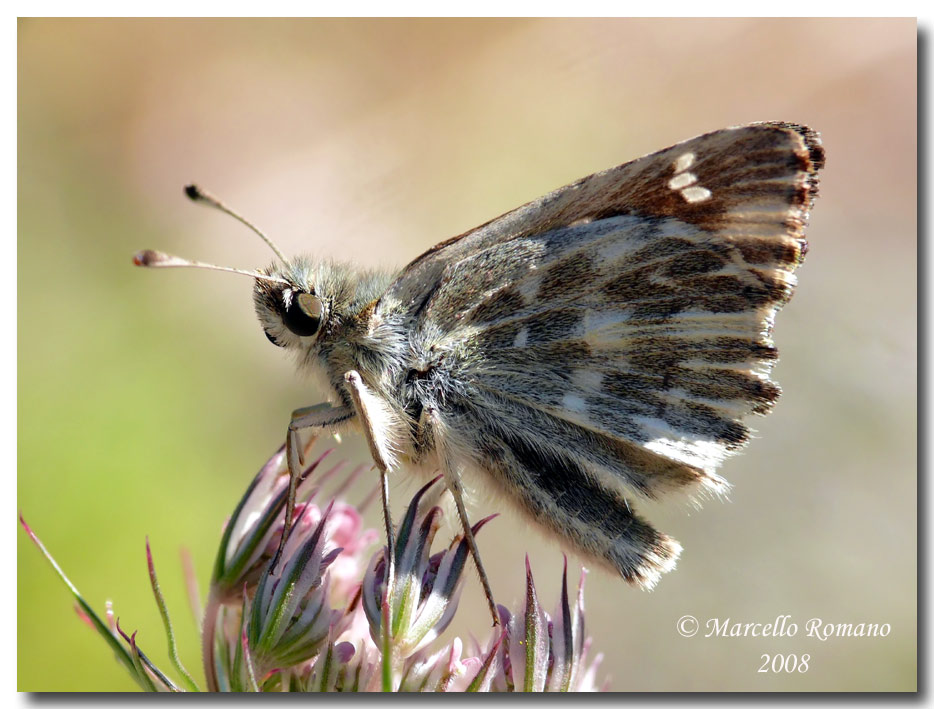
(271,339)
(303,315)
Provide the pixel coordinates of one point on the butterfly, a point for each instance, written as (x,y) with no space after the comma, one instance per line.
(600,345)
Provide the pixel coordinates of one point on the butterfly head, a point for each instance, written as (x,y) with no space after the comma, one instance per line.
(288,295)
(291,306)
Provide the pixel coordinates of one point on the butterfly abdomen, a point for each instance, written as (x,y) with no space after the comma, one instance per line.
(567,495)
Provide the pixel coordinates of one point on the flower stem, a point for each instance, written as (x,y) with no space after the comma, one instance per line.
(208,629)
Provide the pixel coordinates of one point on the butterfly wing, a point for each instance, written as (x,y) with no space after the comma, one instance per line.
(609,339)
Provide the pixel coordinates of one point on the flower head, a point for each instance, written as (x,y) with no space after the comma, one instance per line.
(307,621)
(426,587)
(541,654)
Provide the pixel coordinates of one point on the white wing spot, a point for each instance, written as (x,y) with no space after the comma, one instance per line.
(685,181)
(681,181)
(528,287)
(704,454)
(696,194)
(595,320)
(522,337)
(587,379)
(617,244)
(684,162)
(575,403)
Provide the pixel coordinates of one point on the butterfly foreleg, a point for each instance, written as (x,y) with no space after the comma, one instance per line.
(318,416)
(452,480)
(375,427)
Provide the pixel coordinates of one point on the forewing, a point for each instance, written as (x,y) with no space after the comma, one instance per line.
(759,173)
(612,336)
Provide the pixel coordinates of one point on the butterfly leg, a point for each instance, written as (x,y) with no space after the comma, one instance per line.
(377,437)
(319,416)
(452,479)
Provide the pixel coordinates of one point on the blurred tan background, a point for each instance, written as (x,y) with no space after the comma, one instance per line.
(147,400)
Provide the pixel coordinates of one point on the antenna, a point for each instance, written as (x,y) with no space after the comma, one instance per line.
(196,194)
(158,259)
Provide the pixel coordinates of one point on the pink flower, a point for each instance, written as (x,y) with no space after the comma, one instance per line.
(317,619)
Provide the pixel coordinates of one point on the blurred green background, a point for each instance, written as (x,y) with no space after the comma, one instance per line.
(147,400)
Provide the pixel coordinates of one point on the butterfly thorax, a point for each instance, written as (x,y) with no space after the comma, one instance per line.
(407,368)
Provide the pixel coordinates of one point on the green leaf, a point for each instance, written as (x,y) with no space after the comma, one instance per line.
(166,621)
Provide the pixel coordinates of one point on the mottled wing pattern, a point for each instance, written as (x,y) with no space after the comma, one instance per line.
(609,339)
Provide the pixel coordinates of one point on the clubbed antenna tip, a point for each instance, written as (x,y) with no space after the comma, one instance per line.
(159,259)
(196,194)
(151,258)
